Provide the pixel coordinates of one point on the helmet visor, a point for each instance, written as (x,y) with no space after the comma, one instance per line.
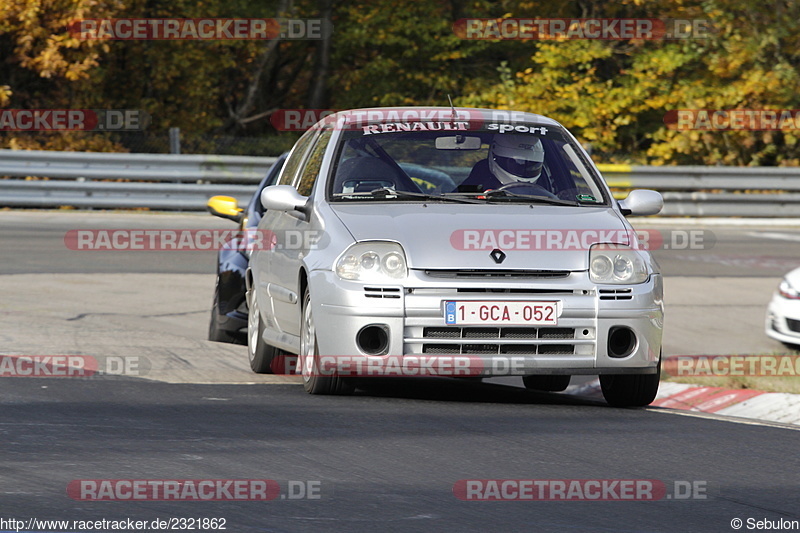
(524,168)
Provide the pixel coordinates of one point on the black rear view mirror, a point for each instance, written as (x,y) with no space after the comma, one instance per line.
(458,142)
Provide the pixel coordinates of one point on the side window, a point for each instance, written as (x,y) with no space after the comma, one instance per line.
(314,163)
(295,159)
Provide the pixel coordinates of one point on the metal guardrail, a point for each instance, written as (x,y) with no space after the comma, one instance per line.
(116,195)
(694,178)
(140,167)
(702,204)
(195,178)
(701,191)
(695,191)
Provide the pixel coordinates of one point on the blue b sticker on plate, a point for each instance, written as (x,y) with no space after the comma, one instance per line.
(450,313)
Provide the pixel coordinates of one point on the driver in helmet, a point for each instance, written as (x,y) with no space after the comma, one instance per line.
(511,159)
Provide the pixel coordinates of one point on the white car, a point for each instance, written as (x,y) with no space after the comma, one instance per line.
(783,312)
(457,242)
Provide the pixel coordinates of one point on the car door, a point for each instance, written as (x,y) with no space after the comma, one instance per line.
(264,281)
(295,235)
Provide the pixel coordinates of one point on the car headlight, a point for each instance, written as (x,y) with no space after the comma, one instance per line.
(372,261)
(616,264)
(787,291)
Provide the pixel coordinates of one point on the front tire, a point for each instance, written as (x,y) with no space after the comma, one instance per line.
(308,360)
(630,390)
(215,333)
(261,354)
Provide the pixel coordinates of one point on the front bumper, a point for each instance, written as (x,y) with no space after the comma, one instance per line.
(783,320)
(412,314)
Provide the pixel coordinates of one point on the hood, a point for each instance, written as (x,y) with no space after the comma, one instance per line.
(463,236)
(793,278)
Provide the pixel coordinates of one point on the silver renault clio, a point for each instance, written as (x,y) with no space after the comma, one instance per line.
(453,242)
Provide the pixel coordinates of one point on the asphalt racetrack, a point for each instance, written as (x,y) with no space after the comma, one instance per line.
(397,455)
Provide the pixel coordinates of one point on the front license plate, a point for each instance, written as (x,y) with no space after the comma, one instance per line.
(461,312)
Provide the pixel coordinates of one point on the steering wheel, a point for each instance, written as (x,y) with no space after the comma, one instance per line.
(539,190)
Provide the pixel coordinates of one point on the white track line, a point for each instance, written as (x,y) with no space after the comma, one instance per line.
(794,237)
(722,418)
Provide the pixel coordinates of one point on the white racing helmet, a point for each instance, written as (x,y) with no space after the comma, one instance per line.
(516,158)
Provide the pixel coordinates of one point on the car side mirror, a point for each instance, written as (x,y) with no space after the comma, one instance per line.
(642,202)
(283,198)
(225,207)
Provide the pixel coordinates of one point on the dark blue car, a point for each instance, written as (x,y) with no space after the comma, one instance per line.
(229,313)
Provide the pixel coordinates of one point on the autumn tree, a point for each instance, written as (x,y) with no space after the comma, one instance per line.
(615,94)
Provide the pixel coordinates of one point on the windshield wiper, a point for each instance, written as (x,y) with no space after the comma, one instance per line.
(495,194)
(386,192)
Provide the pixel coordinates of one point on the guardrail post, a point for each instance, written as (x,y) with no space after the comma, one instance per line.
(174,140)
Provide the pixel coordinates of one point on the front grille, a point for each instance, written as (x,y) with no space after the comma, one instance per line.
(498,349)
(519,333)
(480,333)
(450,292)
(501,335)
(793,325)
(442,333)
(454,332)
(616,294)
(515,291)
(480,349)
(381,292)
(556,333)
(556,349)
(497,273)
(442,349)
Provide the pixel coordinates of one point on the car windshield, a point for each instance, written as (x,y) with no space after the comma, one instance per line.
(451,161)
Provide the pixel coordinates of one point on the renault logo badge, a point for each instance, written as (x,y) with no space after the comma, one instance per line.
(498,255)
